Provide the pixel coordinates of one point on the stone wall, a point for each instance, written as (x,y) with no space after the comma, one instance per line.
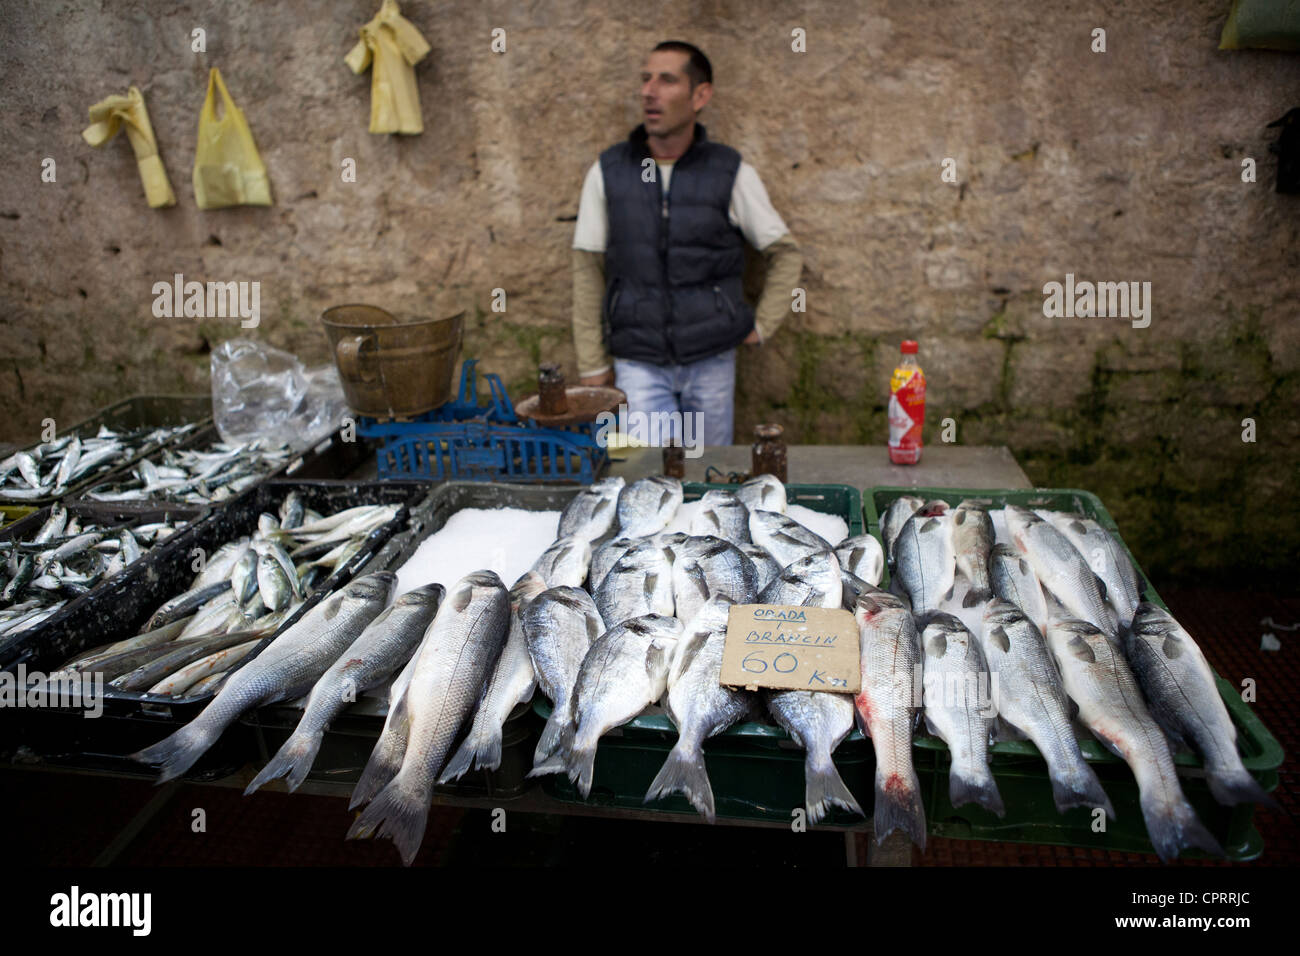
(1123,165)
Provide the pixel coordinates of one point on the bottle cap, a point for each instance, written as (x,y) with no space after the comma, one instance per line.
(909,347)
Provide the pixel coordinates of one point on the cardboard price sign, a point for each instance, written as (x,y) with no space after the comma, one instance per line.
(791,648)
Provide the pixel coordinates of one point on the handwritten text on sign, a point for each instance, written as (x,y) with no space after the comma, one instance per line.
(791,648)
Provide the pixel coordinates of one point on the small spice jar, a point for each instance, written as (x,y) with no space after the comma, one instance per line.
(769,454)
(674,459)
(552,395)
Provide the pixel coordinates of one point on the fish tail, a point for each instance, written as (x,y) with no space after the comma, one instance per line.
(580,762)
(381,768)
(974,785)
(551,749)
(1233,786)
(551,735)
(294,758)
(1078,786)
(823,787)
(977,596)
(1173,827)
(898,806)
(684,772)
(482,750)
(399,813)
(177,753)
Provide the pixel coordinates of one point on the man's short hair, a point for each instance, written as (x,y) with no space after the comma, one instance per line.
(698,67)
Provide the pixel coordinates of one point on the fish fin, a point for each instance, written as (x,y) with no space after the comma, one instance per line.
(398,813)
(1078,786)
(1235,786)
(294,759)
(380,769)
(823,787)
(976,597)
(549,743)
(581,763)
(685,772)
(551,763)
(981,789)
(177,753)
(479,750)
(1176,828)
(899,807)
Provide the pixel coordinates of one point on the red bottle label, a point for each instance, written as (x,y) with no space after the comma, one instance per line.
(906,415)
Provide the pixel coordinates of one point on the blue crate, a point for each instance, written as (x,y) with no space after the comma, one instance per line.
(464,441)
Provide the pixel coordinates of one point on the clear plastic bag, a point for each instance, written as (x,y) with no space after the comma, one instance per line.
(260,392)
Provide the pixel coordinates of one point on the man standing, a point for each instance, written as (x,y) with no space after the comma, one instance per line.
(658,305)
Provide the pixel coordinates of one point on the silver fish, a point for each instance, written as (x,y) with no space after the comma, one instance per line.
(813,581)
(768,567)
(624,671)
(565,563)
(1061,569)
(972,540)
(925,563)
(460,650)
(1184,699)
(287,668)
(959,709)
(817,721)
(640,583)
(896,515)
(389,750)
(886,709)
(606,556)
(722,515)
(646,507)
(511,684)
(189,677)
(784,538)
(378,652)
(764,493)
(1099,680)
(863,557)
(708,566)
(1107,559)
(1014,581)
(1030,697)
(699,707)
(559,626)
(593,512)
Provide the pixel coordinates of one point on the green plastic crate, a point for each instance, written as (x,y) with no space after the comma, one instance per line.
(1018,767)
(755,770)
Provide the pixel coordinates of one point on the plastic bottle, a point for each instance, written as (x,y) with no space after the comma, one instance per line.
(906,408)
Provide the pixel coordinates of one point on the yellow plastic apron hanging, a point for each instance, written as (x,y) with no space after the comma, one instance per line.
(394,46)
(227,168)
(107,117)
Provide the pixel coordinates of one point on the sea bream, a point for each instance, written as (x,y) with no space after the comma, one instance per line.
(817,721)
(565,563)
(890,651)
(460,649)
(862,557)
(1101,683)
(288,668)
(593,512)
(639,583)
(1184,698)
(706,566)
(646,507)
(381,649)
(784,538)
(812,581)
(722,515)
(763,493)
(1029,696)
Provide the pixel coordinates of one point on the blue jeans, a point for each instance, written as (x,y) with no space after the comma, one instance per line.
(705,390)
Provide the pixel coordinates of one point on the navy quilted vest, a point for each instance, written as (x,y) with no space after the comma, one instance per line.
(673,262)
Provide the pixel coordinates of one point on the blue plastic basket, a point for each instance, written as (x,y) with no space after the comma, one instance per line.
(464,441)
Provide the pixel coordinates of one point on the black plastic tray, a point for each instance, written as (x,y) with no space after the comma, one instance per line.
(139,411)
(132,720)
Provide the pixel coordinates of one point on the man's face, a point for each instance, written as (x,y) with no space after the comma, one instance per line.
(668,104)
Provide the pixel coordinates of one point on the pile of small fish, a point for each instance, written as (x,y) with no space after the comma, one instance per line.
(196,476)
(48,469)
(65,559)
(1051,618)
(244,592)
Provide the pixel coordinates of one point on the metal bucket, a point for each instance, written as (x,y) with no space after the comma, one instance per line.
(390,367)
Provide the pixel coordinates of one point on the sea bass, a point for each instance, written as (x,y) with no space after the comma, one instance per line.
(925,562)
(1014,581)
(896,515)
(288,668)
(1061,569)
(972,540)
(458,654)
(1099,680)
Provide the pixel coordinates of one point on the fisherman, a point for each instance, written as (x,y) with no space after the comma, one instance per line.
(658,305)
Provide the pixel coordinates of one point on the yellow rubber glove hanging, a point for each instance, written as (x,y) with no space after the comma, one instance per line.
(228,170)
(391,46)
(107,117)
